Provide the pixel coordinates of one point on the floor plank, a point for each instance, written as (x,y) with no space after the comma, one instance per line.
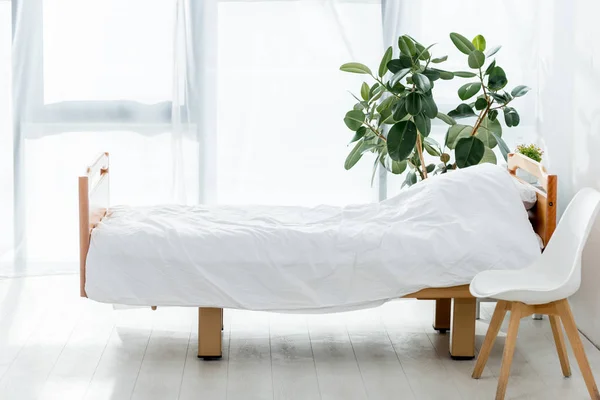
(337,369)
(55,345)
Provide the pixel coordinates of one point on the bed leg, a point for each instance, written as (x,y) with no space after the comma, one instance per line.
(462,332)
(209,333)
(441,316)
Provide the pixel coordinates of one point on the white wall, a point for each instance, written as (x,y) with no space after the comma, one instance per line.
(569,125)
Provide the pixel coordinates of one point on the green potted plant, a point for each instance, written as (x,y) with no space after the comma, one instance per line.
(531,151)
(392,116)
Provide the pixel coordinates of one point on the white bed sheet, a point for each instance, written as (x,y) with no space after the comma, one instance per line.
(438,233)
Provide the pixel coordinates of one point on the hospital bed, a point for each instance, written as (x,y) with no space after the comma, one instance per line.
(455,308)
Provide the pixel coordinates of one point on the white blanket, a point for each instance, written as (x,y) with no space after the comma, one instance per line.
(438,233)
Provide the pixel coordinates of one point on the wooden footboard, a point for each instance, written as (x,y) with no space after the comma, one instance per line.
(93,206)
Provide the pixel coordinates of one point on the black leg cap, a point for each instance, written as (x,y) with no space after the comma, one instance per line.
(210,358)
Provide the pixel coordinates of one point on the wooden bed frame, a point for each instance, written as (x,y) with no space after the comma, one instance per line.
(455,308)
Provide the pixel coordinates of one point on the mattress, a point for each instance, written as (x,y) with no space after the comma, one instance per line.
(438,233)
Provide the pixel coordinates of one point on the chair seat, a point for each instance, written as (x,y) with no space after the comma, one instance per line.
(529,286)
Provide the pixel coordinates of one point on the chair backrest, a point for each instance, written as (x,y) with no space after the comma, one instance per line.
(562,256)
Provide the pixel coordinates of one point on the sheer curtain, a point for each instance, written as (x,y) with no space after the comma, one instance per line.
(569,124)
(282,99)
(196,101)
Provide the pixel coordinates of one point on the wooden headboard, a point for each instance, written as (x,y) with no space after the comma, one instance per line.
(543,215)
(94,193)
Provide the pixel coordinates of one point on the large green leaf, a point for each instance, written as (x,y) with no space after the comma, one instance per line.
(360,133)
(398,167)
(401,140)
(511,117)
(476,59)
(497,79)
(432,147)
(414,103)
(488,131)
(500,97)
(406,45)
(469,90)
(356,68)
(422,52)
(462,111)
(446,119)
(469,151)
(520,90)
(398,76)
(439,60)
(493,51)
(354,156)
(354,119)
(387,56)
(364,91)
(479,42)
(422,82)
(488,156)
(429,107)
(411,179)
(463,44)
(423,124)
(455,133)
(464,74)
(432,74)
(490,67)
(399,63)
(492,125)
(481,103)
(399,109)
(386,103)
(445,75)
(492,115)
(504,149)
(394,66)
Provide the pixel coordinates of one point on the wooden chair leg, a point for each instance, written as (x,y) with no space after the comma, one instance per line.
(561,349)
(564,311)
(490,338)
(509,349)
(209,333)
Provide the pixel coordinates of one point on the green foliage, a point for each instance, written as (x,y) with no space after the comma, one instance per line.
(393,114)
(487,128)
(531,150)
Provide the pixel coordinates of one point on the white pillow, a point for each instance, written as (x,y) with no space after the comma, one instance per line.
(527,193)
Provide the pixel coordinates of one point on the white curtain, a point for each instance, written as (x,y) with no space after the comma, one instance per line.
(196,101)
(569,124)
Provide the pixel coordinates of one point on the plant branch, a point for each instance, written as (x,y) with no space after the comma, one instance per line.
(481,118)
(421,158)
(379,135)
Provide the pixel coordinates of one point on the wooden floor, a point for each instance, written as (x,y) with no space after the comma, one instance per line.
(58,346)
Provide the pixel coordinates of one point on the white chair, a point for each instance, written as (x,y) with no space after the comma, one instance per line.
(542,288)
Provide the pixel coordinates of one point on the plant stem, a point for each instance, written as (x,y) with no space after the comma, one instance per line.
(379,135)
(421,158)
(481,118)
(487,108)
